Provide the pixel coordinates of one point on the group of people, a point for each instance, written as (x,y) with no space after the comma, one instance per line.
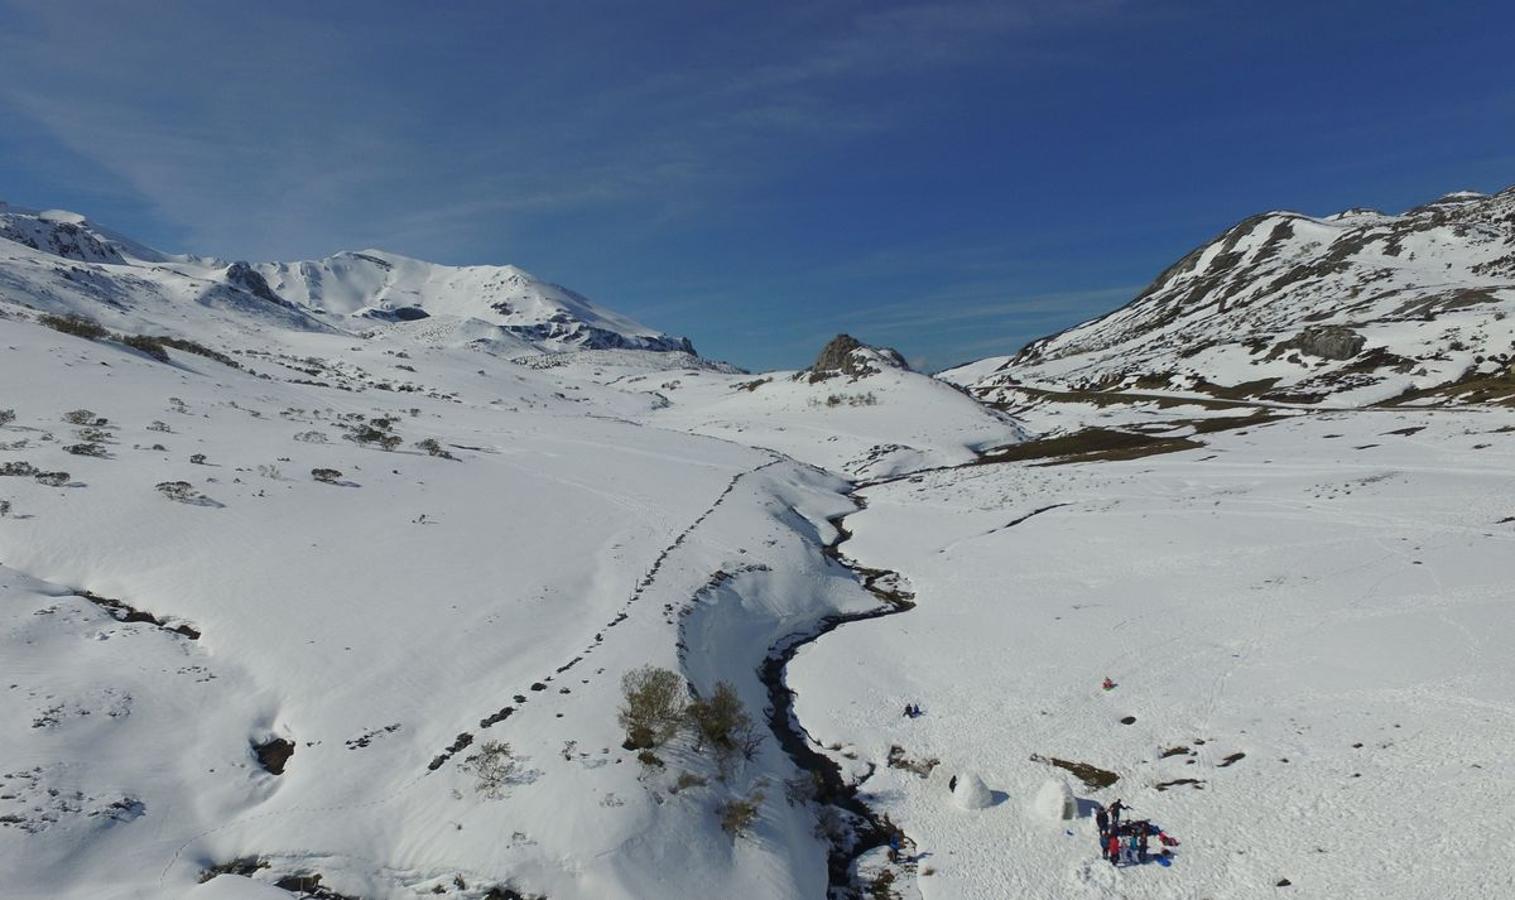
(1126,842)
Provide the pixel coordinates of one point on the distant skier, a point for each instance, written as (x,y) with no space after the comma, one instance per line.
(952,784)
(1108,684)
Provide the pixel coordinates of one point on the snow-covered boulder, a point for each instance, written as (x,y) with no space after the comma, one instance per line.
(972,793)
(1054,801)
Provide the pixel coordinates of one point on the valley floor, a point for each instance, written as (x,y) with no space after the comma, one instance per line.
(1307,619)
(1308,622)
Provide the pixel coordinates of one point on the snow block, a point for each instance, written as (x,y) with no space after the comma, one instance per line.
(1055,802)
(972,793)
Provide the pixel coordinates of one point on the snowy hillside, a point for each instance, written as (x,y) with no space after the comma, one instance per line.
(859,411)
(281,561)
(1355,308)
(338,579)
(61,262)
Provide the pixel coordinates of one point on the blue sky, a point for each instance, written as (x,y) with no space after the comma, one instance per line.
(951,178)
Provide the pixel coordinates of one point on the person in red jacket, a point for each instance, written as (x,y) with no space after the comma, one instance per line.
(1113,849)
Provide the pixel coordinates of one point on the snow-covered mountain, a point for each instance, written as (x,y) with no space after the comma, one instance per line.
(1358,307)
(61,262)
(327,580)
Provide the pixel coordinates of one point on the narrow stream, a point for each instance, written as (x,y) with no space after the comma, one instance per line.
(868,830)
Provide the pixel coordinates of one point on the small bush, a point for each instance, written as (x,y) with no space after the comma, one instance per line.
(367,435)
(189,346)
(19,468)
(7,416)
(738,814)
(5,508)
(311,437)
(652,707)
(97,435)
(687,780)
(53,479)
(722,722)
(82,417)
(197,459)
(88,448)
(650,760)
(77,326)
(155,425)
(326,476)
(433,447)
(178,491)
(149,345)
(493,768)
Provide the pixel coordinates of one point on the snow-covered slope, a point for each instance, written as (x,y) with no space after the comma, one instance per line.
(61,262)
(859,410)
(381,541)
(271,595)
(390,287)
(1354,308)
(386,619)
(1307,622)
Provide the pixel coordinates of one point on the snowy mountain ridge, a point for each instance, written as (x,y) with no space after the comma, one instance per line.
(62,262)
(1354,308)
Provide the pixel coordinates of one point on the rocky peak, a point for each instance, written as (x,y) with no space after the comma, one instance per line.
(846,355)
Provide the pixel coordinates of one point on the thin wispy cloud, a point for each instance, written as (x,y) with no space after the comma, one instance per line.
(933,173)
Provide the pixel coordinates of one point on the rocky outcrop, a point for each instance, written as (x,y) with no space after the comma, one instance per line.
(847,356)
(1329,342)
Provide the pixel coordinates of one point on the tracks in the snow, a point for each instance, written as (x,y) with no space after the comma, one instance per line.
(464,739)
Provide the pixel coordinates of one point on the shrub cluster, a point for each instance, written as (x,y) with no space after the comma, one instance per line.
(78,326)
(373,433)
(154,345)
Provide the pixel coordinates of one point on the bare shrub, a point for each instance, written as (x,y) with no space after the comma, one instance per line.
(53,479)
(159,426)
(311,437)
(77,326)
(19,468)
(197,459)
(82,417)
(88,448)
(7,416)
(178,491)
(375,433)
(151,346)
(326,476)
(492,766)
(434,448)
(687,780)
(652,708)
(738,814)
(722,722)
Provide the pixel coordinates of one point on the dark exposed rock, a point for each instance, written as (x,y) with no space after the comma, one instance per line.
(241,275)
(273,753)
(1329,341)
